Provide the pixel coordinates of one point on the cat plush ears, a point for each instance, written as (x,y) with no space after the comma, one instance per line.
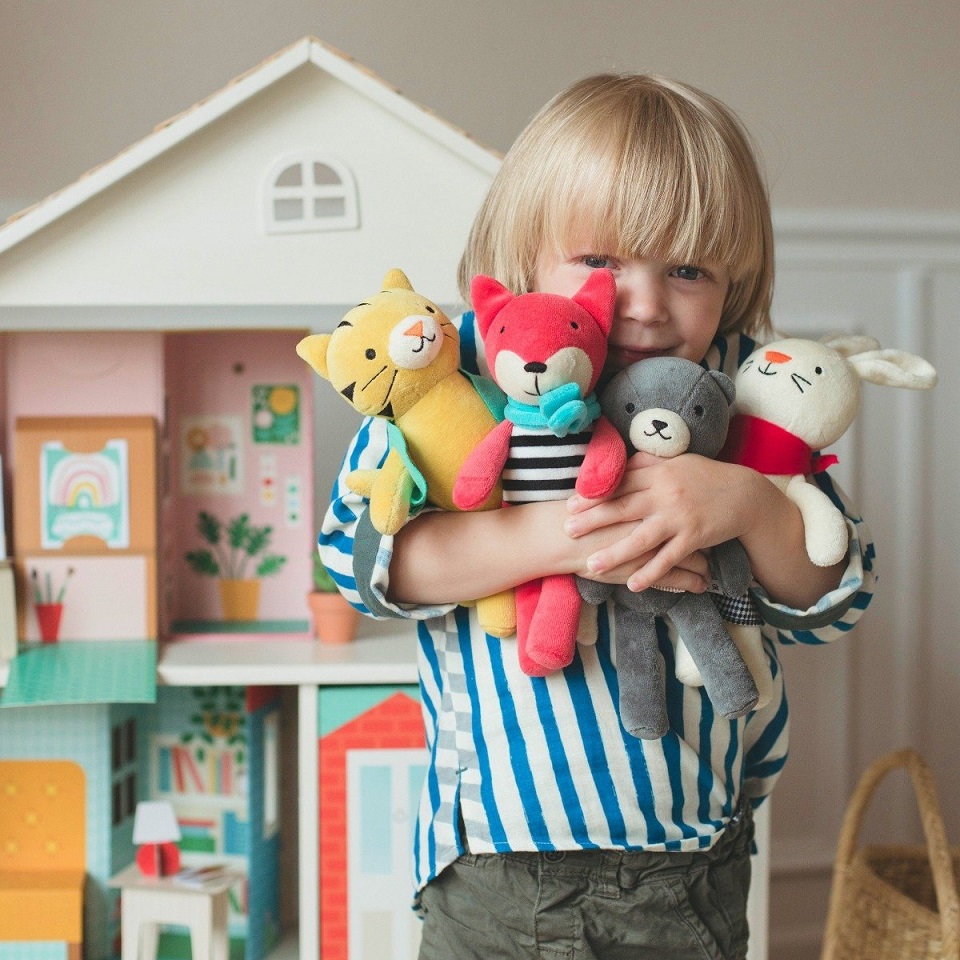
(597,296)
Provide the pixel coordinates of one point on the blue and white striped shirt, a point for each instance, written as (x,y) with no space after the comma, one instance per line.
(544,763)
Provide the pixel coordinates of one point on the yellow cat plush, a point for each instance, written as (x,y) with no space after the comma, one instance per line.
(397,356)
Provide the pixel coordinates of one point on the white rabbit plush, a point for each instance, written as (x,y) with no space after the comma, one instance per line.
(795,397)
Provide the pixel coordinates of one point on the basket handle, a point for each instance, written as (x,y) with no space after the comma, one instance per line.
(939,853)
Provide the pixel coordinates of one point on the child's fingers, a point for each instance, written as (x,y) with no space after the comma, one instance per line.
(691,575)
(661,571)
(633,481)
(684,581)
(633,542)
(592,515)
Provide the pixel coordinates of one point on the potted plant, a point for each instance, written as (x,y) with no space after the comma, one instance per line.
(233,547)
(334,620)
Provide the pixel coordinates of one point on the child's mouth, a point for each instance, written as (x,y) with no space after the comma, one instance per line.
(624,356)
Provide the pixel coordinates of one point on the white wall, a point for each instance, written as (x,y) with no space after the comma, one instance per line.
(853,104)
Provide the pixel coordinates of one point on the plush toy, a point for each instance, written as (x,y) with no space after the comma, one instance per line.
(397,356)
(795,397)
(546,352)
(668,406)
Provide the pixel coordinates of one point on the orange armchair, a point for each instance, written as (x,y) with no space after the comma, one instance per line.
(42,852)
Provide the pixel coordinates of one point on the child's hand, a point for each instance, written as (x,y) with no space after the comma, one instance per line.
(677,507)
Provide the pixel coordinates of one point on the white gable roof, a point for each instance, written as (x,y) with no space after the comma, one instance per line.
(179,218)
(177,129)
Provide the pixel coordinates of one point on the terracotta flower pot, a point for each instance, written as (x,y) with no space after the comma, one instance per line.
(334,620)
(239,599)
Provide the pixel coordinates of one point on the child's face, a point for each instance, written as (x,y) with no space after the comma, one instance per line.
(662,309)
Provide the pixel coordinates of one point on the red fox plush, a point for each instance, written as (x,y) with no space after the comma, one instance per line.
(546,353)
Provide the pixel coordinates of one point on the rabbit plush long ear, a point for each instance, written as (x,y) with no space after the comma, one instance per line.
(849,344)
(894,368)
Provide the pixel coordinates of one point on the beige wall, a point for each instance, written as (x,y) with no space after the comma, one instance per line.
(853,104)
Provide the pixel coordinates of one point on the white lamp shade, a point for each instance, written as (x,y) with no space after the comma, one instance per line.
(155,822)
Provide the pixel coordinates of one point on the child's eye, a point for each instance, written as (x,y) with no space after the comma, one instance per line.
(687,271)
(596,262)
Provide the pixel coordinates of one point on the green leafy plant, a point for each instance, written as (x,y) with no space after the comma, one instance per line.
(233,545)
(322,581)
(218,719)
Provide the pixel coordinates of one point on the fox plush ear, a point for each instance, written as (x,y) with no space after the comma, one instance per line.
(598,297)
(489,297)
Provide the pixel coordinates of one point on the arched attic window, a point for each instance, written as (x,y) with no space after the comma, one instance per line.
(310,192)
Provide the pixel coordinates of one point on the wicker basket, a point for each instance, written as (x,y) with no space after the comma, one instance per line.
(894,902)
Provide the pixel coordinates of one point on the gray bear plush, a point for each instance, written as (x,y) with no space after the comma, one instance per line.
(668,406)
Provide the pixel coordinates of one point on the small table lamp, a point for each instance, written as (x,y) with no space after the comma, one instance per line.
(156,832)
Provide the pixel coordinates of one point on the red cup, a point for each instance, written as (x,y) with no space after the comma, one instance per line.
(48,619)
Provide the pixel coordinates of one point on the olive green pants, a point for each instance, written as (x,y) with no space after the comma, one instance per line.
(593,904)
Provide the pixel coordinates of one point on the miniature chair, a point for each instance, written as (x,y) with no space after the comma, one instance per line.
(42,852)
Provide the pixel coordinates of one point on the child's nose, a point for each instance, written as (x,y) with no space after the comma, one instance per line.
(642,299)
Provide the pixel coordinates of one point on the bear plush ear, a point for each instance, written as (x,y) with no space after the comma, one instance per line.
(598,297)
(725,384)
(489,297)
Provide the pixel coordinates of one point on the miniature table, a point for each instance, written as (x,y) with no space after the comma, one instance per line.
(147,902)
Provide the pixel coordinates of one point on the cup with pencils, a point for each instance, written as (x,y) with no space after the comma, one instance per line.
(48,602)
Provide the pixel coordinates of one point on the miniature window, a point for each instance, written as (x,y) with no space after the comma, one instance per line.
(310,193)
(123,754)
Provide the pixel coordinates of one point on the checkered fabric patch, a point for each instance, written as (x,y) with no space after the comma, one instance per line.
(741,610)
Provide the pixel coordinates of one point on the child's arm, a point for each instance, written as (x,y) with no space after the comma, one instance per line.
(439,555)
(691,503)
(439,558)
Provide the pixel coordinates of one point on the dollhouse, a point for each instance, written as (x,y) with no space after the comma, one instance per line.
(165,455)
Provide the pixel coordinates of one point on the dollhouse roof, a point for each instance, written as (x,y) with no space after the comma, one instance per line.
(96,212)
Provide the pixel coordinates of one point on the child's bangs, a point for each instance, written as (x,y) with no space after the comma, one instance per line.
(673,203)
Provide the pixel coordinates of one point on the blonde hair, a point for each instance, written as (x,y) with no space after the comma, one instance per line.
(654,167)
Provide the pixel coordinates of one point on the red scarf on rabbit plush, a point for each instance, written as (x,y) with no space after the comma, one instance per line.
(767,448)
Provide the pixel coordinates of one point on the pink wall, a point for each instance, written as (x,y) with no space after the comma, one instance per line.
(80,374)
(213,375)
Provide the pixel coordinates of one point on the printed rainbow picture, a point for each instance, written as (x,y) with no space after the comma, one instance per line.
(85,494)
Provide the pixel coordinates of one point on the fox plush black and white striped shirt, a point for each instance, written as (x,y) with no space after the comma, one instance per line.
(541,465)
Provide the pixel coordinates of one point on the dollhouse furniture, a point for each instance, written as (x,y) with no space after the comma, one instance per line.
(42,852)
(156,832)
(148,902)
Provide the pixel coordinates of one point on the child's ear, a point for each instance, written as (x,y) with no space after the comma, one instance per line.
(598,297)
(489,297)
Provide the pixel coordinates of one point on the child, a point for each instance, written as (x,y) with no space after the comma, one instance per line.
(543,826)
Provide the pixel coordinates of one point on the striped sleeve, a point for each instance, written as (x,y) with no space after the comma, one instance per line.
(357,556)
(837,612)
